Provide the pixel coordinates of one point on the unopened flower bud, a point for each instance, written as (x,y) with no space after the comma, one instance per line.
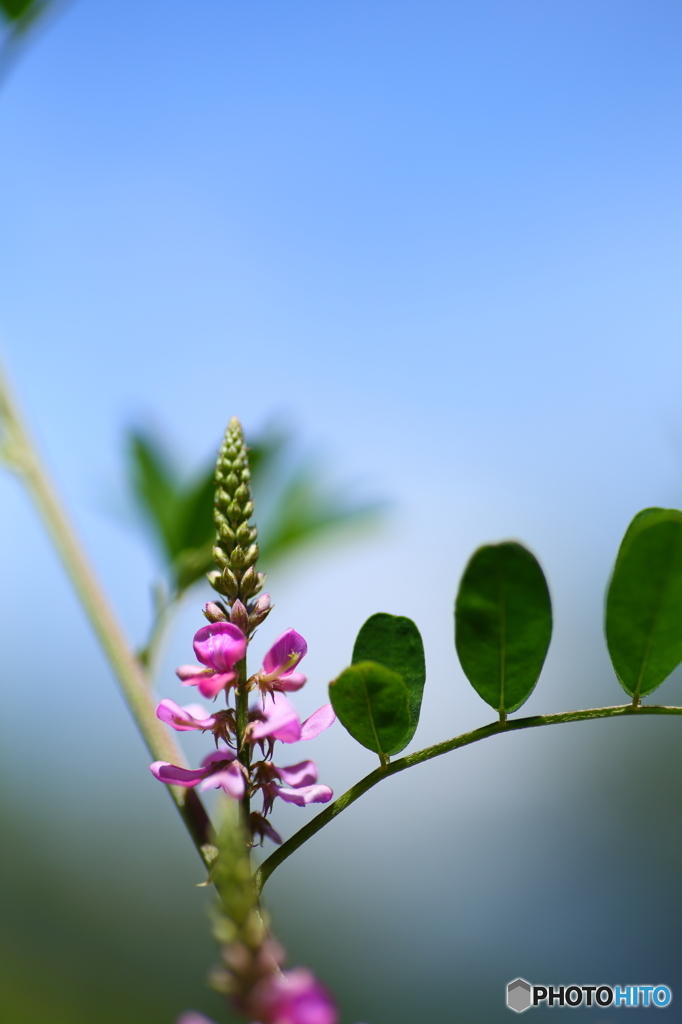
(243,534)
(239,616)
(251,555)
(222,981)
(263,604)
(220,558)
(237,559)
(229,583)
(260,610)
(250,584)
(224,532)
(237,957)
(214,613)
(214,578)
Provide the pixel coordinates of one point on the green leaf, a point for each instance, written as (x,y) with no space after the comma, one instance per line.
(301,513)
(644,602)
(503,624)
(372,703)
(395,642)
(14,9)
(293,509)
(21,10)
(156,489)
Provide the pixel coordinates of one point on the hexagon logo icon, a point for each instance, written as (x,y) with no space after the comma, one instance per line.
(518,995)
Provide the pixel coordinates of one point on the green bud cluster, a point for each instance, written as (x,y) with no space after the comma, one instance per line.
(235,551)
(241,928)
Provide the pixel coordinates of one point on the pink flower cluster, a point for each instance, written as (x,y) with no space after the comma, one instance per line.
(289,997)
(219,647)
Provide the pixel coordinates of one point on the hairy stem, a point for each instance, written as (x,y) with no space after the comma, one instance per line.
(243,747)
(22,457)
(375,777)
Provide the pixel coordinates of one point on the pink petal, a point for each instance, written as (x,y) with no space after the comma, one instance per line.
(318,722)
(230,779)
(281,721)
(294,997)
(210,683)
(192,716)
(172,775)
(291,681)
(193,1018)
(285,653)
(191,671)
(220,646)
(221,754)
(296,775)
(306,795)
(210,686)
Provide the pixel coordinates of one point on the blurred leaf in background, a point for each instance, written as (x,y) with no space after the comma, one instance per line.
(20,10)
(294,507)
(16,16)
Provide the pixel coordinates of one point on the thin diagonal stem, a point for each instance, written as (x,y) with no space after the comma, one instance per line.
(375,777)
(22,457)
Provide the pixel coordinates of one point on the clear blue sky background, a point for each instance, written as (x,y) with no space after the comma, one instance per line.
(443,241)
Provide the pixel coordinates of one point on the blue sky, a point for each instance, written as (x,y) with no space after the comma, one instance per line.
(442,240)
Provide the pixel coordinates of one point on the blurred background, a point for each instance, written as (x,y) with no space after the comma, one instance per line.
(437,244)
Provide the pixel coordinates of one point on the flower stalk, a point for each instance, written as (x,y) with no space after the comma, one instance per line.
(235,553)
(21,456)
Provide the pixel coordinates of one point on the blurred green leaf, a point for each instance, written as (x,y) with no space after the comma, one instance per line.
(15,9)
(302,513)
(644,602)
(21,11)
(292,508)
(156,489)
(395,642)
(503,624)
(372,703)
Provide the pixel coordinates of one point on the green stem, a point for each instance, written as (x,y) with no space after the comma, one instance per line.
(148,655)
(23,458)
(371,780)
(244,748)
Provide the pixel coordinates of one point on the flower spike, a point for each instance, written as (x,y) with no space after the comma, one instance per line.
(235,551)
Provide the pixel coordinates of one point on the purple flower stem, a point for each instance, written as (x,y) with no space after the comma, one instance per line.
(355,792)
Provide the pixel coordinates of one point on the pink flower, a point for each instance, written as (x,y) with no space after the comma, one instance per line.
(280,661)
(278,720)
(218,646)
(294,997)
(299,784)
(182,719)
(219,770)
